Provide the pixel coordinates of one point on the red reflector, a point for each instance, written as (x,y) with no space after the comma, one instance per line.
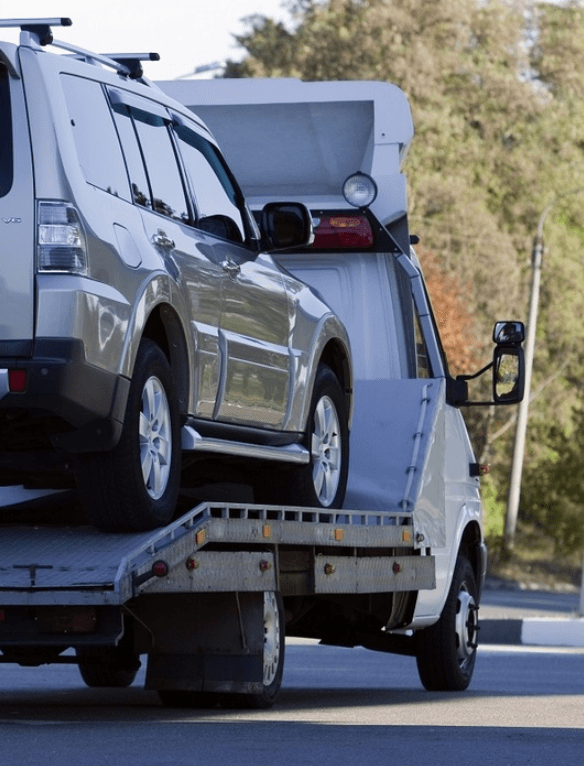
(160,568)
(336,232)
(17,381)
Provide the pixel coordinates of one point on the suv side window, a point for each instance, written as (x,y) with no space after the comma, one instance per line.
(132,154)
(168,194)
(215,194)
(98,149)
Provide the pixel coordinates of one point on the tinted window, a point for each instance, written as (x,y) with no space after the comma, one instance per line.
(135,163)
(6,171)
(215,195)
(98,148)
(168,196)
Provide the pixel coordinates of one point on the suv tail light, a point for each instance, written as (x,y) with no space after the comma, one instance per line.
(60,239)
(339,232)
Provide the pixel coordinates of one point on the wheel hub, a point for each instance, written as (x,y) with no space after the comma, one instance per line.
(155,438)
(466,625)
(272,638)
(326,451)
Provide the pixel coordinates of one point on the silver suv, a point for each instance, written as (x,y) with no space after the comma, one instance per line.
(147,337)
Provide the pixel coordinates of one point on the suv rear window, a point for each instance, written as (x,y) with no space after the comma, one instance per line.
(96,140)
(6,155)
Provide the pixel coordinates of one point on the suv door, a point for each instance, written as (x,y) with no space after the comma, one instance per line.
(255,322)
(186,251)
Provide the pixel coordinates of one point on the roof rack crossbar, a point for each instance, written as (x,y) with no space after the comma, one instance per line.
(52,22)
(41,28)
(133,61)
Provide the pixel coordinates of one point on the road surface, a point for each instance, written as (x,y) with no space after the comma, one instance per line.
(337,706)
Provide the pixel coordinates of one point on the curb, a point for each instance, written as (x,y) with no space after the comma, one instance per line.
(533,631)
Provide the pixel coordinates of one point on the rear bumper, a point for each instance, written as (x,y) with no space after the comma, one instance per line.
(60,383)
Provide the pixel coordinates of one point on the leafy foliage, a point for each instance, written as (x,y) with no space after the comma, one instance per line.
(496,89)
(455,322)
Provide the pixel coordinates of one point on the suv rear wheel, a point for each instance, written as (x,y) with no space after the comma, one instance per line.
(135,486)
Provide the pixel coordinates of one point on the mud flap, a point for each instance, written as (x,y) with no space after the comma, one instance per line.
(206,642)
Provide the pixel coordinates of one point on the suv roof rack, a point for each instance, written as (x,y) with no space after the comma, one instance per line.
(38,33)
(132,62)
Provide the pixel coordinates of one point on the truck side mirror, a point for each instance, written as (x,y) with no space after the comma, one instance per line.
(508,363)
(286,225)
(508,333)
(508,374)
(508,367)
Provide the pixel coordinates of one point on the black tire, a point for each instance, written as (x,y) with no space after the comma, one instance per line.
(322,482)
(102,666)
(446,651)
(274,649)
(135,486)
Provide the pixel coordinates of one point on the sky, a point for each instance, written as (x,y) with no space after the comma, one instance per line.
(186,34)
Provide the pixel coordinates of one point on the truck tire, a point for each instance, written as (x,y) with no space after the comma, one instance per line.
(446,651)
(102,666)
(134,487)
(322,482)
(274,644)
(273,668)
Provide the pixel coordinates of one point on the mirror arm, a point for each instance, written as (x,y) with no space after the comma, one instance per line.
(457,389)
(476,375)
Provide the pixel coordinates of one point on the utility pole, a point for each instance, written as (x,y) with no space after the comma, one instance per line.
(523,412)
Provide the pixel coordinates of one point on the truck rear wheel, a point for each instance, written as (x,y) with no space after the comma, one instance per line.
(274,643)
(446,651)
(135,486)
(273,668)
(102,666)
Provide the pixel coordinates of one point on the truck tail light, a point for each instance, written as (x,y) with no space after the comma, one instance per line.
(61,246)
(342,232)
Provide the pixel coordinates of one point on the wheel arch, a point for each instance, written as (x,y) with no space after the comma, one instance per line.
(473,548)
(164,328)
(336,356)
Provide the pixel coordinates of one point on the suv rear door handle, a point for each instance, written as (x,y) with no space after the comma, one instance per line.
(230,267)
(161,239)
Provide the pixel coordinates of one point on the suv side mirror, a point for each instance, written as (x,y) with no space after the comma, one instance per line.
(286,226)
(508,367)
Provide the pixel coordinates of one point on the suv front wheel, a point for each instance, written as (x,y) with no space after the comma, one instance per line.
(134,487)
(322,482)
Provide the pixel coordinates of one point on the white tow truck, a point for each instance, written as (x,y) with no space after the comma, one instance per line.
(210,598)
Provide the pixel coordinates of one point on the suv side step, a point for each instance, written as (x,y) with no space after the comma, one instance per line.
(192,441)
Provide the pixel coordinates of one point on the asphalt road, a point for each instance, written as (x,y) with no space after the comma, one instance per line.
(337,706)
